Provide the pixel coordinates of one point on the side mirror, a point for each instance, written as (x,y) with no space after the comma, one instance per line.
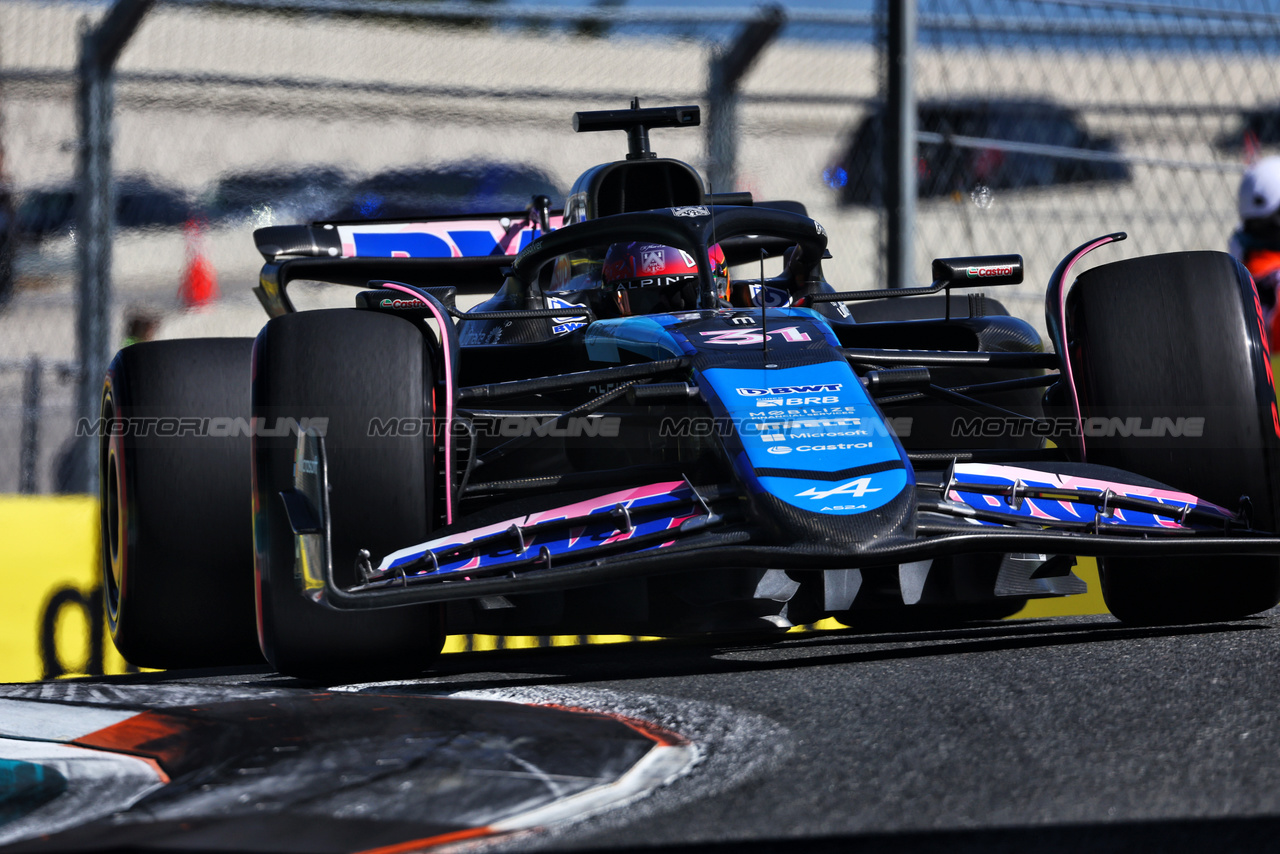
(978,270)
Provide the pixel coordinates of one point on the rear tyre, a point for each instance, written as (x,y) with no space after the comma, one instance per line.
(1180,336)
(177,551)
(348,367)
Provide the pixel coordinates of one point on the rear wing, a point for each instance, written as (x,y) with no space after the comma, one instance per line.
(468,253)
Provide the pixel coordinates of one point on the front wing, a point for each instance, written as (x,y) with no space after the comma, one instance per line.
(678,526)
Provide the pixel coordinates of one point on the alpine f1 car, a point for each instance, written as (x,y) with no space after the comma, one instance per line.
(665,421)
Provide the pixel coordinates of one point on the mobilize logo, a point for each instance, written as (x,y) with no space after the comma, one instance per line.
(855,488)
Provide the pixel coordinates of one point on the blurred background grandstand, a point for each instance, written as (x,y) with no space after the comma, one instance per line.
(1040,124)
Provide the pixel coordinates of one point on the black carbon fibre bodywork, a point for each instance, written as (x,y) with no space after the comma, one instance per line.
(760,532)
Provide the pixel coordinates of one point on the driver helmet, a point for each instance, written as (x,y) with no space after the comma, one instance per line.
(1256,243)
(1260,189)
(649,278)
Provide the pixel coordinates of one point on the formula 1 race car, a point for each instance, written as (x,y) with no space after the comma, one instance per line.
(665,421)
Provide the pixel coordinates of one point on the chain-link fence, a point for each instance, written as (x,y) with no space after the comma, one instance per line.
(1088,117)
(1041,124)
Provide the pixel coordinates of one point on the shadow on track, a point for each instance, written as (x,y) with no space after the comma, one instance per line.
(1174,836)
(677,658)
(546,666)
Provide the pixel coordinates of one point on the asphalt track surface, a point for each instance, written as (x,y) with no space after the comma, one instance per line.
(1065,734)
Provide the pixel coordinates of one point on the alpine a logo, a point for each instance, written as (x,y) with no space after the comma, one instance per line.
(790,389)
(691,210)
(855,488)
(988,272)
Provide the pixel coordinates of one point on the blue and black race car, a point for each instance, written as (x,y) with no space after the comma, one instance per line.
(665,421)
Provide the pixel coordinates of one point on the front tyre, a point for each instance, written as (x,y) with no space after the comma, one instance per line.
(349,367)
(1179,336)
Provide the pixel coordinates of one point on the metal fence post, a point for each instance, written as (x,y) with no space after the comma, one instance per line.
(30,451)
(722,109)
(100,47)
(900,144)
(726,72)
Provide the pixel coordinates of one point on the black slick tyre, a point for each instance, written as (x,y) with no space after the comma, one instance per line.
(1179,336)
(177,548)
(348,367)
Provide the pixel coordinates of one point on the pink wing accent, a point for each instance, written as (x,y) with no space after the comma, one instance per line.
(581,508)
(1027,475)
(448,400)
(1036,512)
(617,538)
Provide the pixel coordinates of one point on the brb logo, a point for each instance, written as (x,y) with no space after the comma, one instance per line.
(741,337)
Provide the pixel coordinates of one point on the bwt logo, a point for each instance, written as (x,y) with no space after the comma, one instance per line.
(987,272)
(789,389)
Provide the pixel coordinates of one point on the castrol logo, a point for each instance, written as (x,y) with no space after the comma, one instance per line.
(987,272)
